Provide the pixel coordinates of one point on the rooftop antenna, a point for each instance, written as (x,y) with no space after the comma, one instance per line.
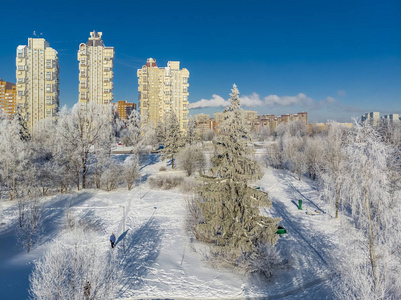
(37,34)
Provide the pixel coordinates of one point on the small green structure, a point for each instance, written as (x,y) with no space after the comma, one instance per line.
(300,204)
(281,230)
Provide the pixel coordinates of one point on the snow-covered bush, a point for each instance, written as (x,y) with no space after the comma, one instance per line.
(165,182)
(264,259)
(111,177)
(188,185)
(75,268)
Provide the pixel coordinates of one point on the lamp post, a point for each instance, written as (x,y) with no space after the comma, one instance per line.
(123,207)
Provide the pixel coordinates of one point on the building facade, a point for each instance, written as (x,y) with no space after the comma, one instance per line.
(124,109)
(8,98)
(37,82)
(163,91)
(372,117)
(95,70)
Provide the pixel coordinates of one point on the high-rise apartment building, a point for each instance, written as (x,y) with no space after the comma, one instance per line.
(8,98)
(163,91)
(37,82)
(95,70)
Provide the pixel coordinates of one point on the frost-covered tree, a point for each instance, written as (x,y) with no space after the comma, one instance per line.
(81,131)
(131,172)
(230,218)
(15,155)
(192,134)
(31,223)
(191,158)
(314,155)
(131,134)
(173,139)
(375,272)
(334,161)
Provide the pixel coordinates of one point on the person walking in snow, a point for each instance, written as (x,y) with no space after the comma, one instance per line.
(112,240)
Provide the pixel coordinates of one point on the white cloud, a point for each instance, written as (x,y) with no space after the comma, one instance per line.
(300,99)
(216,101)
(254,100)
(251,101)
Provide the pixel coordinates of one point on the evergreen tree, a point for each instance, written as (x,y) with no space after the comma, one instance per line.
(229,209)
(173,139)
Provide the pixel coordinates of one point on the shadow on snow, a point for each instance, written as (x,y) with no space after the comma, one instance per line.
(142,250)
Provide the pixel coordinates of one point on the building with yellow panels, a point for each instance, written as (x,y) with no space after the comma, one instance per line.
(8,98)
(37,82)
(163,91)
(95,70)
(124,109)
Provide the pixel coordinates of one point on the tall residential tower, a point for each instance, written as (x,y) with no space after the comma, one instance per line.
(95,70)
(163,91)
(37,82)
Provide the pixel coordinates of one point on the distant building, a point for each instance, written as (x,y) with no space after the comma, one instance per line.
(163,91)
(391,117)
(272,121)
(124,109)
(372,117)
(37,82)
(8,98)
(251,119)
(95,70)
(204,122)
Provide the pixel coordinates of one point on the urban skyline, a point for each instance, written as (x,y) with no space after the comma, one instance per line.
(330,59)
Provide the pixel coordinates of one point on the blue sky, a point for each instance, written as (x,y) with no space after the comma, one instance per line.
(333,59)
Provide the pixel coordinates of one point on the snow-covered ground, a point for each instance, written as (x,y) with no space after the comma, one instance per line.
(162,260)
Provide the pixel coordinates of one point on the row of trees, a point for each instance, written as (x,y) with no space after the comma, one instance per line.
(358,172)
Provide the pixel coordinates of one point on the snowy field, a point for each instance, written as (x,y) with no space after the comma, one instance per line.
(160,258)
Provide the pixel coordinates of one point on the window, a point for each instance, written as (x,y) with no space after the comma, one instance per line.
(49,100)
(48,88)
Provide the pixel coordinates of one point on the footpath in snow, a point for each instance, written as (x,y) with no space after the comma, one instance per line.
(158,254)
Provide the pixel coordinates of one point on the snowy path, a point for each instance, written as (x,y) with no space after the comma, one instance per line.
(309,245)
(159,259)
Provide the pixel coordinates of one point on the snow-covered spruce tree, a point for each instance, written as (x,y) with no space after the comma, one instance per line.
(230,218)
(173,139)
(376,272)
(192,134)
